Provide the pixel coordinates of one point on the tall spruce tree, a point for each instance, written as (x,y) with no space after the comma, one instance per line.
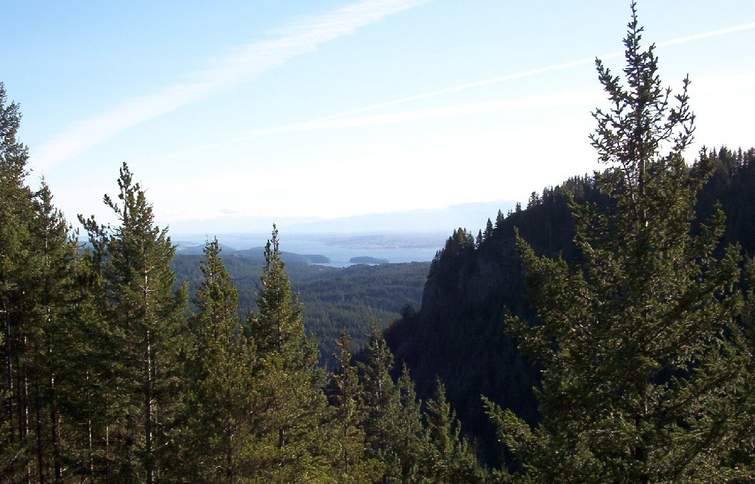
(147,322)
(16,210)
(488,234)
(392,420)
(48,336)
(499,221)
(644,367)
(744,453)
(448,457)
(345,394)
(44,335)
(292,441)
(216,427)
(54,339)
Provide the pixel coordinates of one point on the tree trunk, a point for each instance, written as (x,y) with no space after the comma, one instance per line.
(22,410)
(41,471)
(148,409)
(9,387)
(55,430)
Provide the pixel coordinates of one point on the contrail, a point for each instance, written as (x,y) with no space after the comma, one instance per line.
(534,72)
(245,62)
(341,119)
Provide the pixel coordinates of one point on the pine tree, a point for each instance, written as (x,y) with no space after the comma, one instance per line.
(408,438)
(352,464)
(277,326)
(292,440)
(380,402)
(448,455)
(744,453)
(216,430)
(392,422)
(54,336)
(499,221)
(16,210)
(488,234)
(99,367)
(643,363)
(147,322)
(42,323)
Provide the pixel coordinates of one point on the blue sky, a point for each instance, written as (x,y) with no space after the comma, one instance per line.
(335,108)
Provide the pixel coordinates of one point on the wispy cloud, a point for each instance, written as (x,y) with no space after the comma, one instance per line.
(243,63)
(361,117)
(326,121)
(571,98)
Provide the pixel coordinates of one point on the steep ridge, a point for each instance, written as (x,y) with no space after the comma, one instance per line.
(458,334)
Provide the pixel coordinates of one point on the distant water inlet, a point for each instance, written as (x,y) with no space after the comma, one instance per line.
(336,250)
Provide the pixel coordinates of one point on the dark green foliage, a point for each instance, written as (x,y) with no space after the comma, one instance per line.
(346,395)
(457,333)
(41,317)
(146,324)
(56,337)
(334,300)
(16,209)
(292,440)
(392,421)
(745,451)
(47,338)
(644,364)
(410,445)
(732,187)
(626,352)
(448,455)
(216,425)
(356,298)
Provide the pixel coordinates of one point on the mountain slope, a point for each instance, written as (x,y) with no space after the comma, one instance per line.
(351,299)
(458,333)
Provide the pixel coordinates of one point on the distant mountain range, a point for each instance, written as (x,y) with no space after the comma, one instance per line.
(443,220)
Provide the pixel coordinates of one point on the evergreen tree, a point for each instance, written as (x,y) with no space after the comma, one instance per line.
(499,221)
(147,322)
(380,402)
(408,439)
(43,336)
(744,453)
(277,325)
(488,234)
(54,337)
(352,463)
(292,441)
(86,372)
(448,455)
(644,368)
(16,210)
(219,384)
(392,415)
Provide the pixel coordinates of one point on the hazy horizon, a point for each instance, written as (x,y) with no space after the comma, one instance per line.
(335,109)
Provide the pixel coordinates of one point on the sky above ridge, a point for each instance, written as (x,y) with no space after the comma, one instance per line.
(290,109)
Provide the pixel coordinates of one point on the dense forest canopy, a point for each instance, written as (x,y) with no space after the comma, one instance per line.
(603,333)
(355,299)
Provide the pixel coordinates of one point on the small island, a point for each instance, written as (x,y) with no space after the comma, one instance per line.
(368,260)
(316,259)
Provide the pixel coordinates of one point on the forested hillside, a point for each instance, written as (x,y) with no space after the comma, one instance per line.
(354,299)
(113,372)
(604,333)
(459,333)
